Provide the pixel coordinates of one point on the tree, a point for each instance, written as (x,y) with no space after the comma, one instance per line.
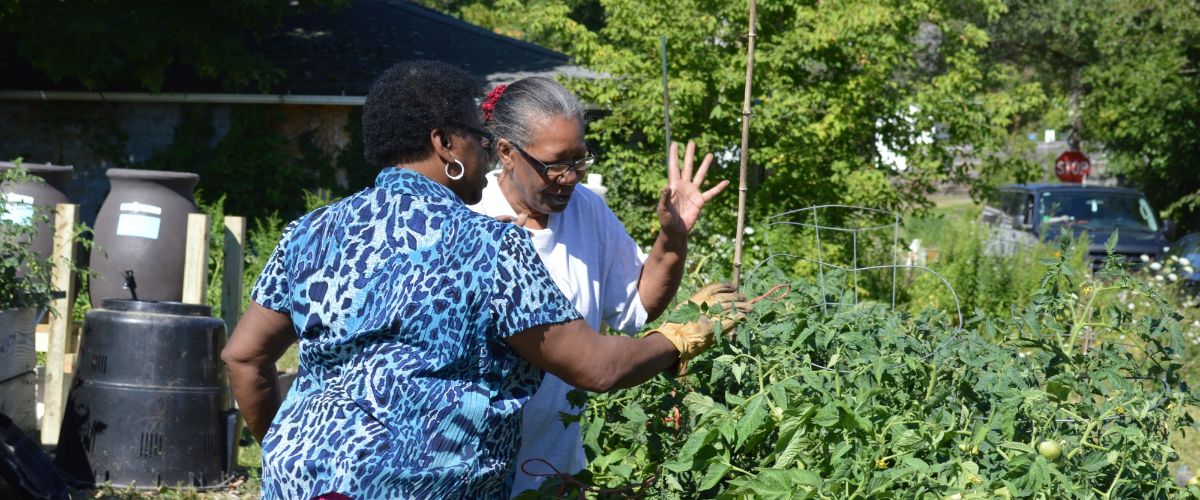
(105,43)
(832,80)
(1143,102)
(1127,76)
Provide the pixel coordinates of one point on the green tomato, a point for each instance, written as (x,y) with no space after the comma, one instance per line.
(1050,450)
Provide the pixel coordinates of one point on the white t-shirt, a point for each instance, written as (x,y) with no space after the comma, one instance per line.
(597,266)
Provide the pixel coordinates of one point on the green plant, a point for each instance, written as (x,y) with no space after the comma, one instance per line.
(24,276)
(869,403)
(954,245)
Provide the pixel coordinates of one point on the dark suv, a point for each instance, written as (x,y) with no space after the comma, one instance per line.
(1022,214)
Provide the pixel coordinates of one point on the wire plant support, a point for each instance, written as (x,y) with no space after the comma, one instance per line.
(857,251)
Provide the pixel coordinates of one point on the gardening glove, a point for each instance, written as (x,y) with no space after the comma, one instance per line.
(690,339)
(724,304)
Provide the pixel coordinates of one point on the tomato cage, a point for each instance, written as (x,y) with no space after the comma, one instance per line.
(853,252)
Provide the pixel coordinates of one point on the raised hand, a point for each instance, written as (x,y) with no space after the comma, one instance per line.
(679,207)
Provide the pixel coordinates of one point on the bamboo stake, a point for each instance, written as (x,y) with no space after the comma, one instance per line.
(662,46)
(741,213)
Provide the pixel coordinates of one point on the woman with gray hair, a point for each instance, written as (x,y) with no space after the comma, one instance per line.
(539,128)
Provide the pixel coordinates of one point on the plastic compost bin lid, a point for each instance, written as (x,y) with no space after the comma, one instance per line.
(156,307)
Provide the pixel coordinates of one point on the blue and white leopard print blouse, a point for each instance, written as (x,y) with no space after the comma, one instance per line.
(402,297)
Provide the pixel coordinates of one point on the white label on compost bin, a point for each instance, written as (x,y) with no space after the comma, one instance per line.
(137,225)
(134,206)
(18,209)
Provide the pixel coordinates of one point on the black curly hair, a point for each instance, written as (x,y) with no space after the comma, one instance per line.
(410,99)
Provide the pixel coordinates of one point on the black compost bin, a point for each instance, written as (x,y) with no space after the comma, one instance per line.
(149,406)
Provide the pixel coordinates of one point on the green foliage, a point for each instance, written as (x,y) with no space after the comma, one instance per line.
(216,253)
(869,403)
(24,275)
(110,43)
(985,284)
(252,167)
(1167,279)
(1131,71)
(831,80)
(1144,96)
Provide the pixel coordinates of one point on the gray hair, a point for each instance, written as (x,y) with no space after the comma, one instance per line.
(527,102)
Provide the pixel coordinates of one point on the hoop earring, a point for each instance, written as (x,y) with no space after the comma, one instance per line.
(461,171)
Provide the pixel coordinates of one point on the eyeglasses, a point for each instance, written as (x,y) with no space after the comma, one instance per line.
(486,139)
(556,170)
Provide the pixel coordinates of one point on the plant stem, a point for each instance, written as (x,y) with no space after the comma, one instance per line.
(1116,479)
(1078,323)
(932,381)
(1087,431)
(737,469)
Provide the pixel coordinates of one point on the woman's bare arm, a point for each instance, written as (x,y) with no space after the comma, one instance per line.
(599,363)
(260,339)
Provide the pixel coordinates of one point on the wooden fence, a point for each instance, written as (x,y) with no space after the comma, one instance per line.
(60,338)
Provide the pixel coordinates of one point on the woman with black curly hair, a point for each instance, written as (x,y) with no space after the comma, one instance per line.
(422,325)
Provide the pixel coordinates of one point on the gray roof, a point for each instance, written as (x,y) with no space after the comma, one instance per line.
(344,52)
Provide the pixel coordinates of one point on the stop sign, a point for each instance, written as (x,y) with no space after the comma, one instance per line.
(1072,166)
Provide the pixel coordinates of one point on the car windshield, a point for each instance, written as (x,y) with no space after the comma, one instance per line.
(1097,210)
(1188,246)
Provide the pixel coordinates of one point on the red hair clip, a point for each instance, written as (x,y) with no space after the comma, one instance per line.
(489,104)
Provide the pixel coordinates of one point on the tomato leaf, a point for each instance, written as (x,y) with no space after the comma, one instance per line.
(699,404)
(716,472)
(828,416)
(737,369)
(791,449)
(756,413)
(634,414)
(683,461)
(906,440)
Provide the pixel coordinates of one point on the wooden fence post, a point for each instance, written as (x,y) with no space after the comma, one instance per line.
(195,264)
(231,280)
(66,217)
(231,296)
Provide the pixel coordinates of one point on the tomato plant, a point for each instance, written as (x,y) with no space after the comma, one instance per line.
(820,401)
